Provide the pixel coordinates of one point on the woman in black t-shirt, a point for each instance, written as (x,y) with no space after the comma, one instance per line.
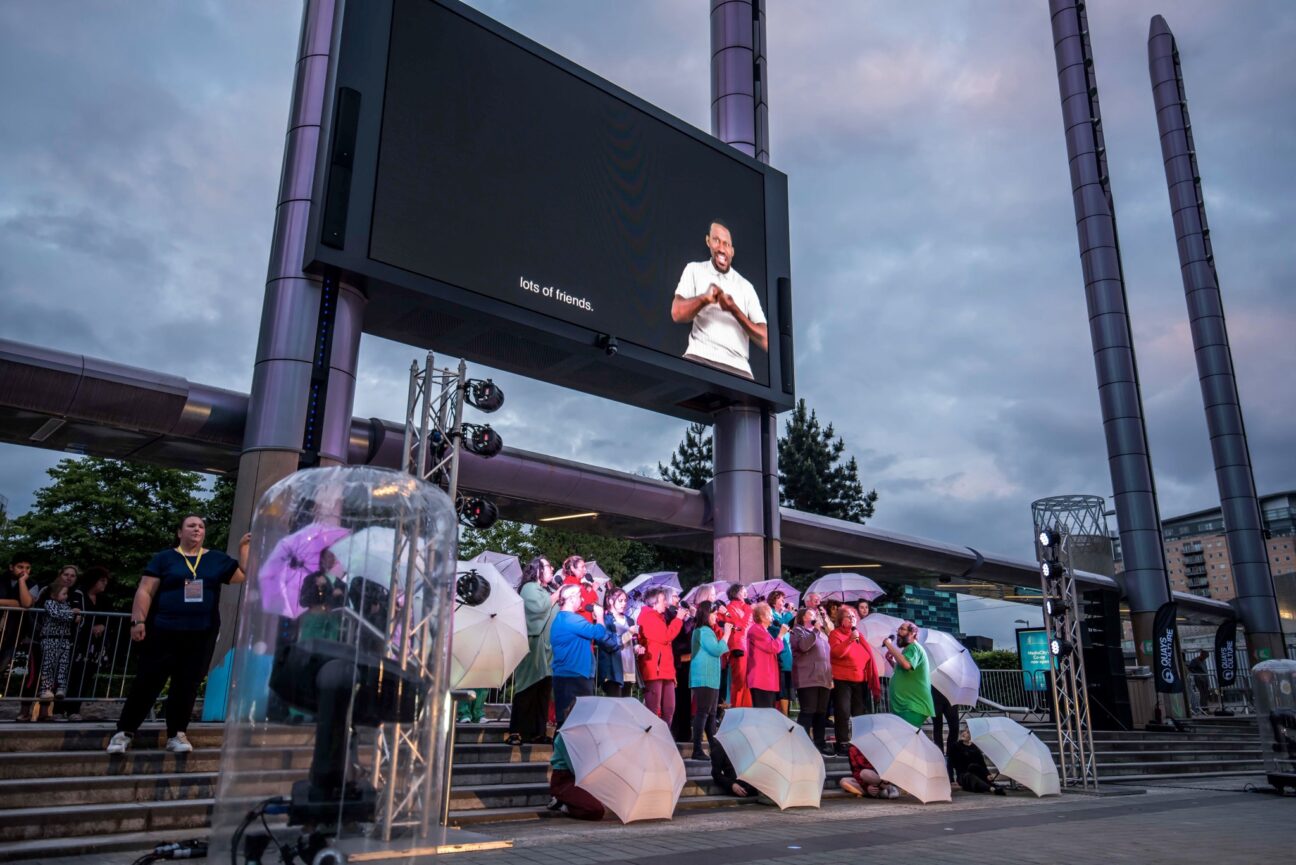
(175,618)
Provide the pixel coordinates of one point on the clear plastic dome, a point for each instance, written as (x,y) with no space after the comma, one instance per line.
(1273,688)
(337,713)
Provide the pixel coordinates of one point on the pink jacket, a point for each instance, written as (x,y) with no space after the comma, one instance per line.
(762,659)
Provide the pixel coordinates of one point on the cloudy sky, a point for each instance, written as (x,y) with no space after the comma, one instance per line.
(939,303)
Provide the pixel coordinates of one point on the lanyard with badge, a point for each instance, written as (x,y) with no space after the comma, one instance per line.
(193,589)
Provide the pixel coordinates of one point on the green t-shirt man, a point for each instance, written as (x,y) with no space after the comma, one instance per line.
(911,688)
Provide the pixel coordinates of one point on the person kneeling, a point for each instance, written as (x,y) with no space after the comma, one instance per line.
(970,767)
(724,775)
(864,779)
(567,797)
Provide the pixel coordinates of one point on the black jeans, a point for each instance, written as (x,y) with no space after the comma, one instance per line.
(814,713)
(531,710)
(566,689)
(763,699)
(705,701)
(848,701)
(179,656)
(615,689)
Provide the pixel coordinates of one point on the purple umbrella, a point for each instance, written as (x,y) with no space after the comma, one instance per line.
(636,588)
(293,559)
(846,587)
(759,591)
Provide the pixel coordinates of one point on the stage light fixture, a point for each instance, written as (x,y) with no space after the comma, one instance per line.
(472,588)
(477,513)
(1051,570)
(483,395)
(1055,607)
(1049,538)
(1060,648)
(482,440)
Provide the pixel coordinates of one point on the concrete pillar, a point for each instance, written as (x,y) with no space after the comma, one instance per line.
(746,437)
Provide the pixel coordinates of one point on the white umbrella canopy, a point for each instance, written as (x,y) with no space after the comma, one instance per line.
(846,587)
(370,553)
(902,755)
(953,672)
(510,567)
(644,582)
(774,755)
(876,627)
(490,639)
(594,572)
(1017,753)
(720,586)
(624,756)
(761,590)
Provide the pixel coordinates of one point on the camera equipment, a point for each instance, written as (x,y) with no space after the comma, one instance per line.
(471,588)
(608,344)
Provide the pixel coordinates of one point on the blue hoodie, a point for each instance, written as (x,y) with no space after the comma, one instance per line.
(571,636)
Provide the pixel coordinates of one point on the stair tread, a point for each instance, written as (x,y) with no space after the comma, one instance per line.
(50,847)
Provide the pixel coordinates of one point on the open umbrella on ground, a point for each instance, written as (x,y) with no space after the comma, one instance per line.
(508,566)
(774,755)
(759,591)
(490,639)
(720,586)
(953,672)
(642,583)
(296,557)
(1017,753)
(846,587)
(902,755)
(624,756)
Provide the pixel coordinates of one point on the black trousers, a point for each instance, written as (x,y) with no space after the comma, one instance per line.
(763,699)
(566,689)
(179,656)
(848,699)
(945,714)
(531,710)
(682,722)
(615,689)
(814,713)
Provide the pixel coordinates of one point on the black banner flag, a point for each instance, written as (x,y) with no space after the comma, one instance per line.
(1226,653)
(1164,663)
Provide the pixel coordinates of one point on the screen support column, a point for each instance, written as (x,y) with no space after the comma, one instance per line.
(746,540)
(303,383)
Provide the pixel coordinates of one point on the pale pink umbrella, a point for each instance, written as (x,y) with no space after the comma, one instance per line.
(721,586)
(761,590)
(296,556)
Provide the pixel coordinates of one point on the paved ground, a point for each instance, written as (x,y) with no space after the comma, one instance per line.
(1213,821)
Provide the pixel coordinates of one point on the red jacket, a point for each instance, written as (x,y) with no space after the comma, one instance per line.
(589,595)
(851,659)
(657,661)
(762,659)
(740,615)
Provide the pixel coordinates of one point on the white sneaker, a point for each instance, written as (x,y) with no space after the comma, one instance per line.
(893,792)
(179,744)
(483,720)
(119,743)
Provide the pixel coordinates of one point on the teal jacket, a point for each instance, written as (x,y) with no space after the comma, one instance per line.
(704,669)
(787,617)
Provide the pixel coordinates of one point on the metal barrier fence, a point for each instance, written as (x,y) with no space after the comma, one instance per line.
(1235,696)
(98,656)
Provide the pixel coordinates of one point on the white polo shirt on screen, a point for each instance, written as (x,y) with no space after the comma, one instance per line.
(717,337)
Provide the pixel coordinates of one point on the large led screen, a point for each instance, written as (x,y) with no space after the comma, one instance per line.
(508,176)
(496,202)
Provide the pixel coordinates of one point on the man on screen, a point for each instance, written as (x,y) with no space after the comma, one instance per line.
(723,307)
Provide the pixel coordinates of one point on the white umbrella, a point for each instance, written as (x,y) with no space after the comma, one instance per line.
(1017,753)
(510,567)
(643,582)
(902,755)
(763,588)
(369,553)
(624,756)
(595,573)
(720,586)
(774,755)
(953,672)
(490,639)
(876,627)
(846,587)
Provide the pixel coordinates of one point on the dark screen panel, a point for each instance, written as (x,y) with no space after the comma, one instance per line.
(507,176)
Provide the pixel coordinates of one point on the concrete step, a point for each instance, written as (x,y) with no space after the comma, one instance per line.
(142,788)
(67,764)
(23,738)
(1173,768)
(78,821)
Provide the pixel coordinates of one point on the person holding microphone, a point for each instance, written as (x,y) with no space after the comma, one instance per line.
(763,650)
(657,663)
(911,681)
(853,672)
(812,675)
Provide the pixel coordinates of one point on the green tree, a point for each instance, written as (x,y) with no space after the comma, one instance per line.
(997,659)
(812,476)
(105,512)
(505,536)
(619,558)
(691,465)
(218,510)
